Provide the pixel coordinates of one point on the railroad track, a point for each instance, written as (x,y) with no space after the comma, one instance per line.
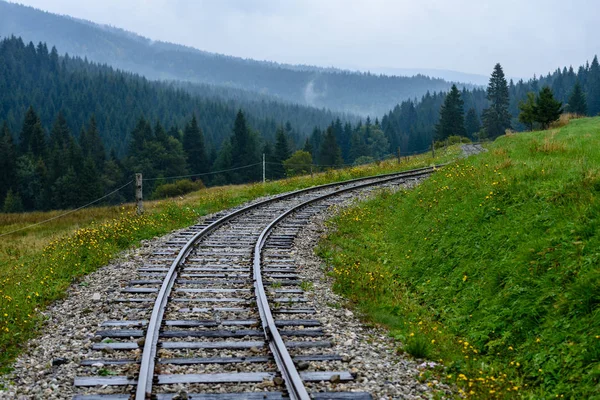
(219,312)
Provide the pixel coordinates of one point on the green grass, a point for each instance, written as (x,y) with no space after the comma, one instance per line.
(37,265)
(494,260)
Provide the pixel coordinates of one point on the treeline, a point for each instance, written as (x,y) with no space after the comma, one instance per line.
(412,125)
(36,76)
(43,169)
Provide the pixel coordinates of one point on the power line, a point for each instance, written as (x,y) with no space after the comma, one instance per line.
(205,173)
(68,212)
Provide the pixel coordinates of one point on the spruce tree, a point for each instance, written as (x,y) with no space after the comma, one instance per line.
(92,146)
(548,109)
(472,124)
(528,113)
(330,154)
(32,138)
(8,159)
(194,147)
(452,119)
(59,135)
(244,151)
(577,102)
(496,118)
(223,162)
(29,122)
(308,146)
(282,153)
(593,88)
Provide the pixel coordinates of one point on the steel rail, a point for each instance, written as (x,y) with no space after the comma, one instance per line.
(293,381)
(149,354)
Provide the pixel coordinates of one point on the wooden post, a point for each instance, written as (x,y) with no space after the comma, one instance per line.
(138,194)
(264,168)
(398,154)
(311,171)
(432,149)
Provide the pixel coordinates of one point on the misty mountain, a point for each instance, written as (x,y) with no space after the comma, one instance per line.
(35,76)
(353,92)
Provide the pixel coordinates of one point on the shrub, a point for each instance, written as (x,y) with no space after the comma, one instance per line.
(298,164)
(178,188)
(364,160)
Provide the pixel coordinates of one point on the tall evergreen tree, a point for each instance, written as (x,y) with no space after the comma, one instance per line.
(452,118)
(32,138)
(8,159)
(282,153)
(92,146)
(593,88)
(548,109)
(472,124)
(194,146)
(25,137)
(224,161)
(496,118)
(330,154)
(577,102)
(358,146)
(244,150)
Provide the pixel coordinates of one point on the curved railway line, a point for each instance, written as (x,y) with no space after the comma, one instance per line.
(220,313)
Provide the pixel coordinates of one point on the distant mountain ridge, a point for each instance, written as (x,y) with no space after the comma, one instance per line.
(352,92)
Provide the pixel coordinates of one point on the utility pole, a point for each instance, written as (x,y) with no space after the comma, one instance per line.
(264,168)
(138,194)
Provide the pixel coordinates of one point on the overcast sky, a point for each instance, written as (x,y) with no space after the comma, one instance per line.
(525,36)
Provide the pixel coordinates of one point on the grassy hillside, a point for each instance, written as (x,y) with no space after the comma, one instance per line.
(37,265)
(491,266)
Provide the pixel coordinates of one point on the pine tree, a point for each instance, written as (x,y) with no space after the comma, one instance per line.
(193,144)
(29,122)
(548,109)
(593,88)
(59,135)
(92,146)
(32,138)
(452,119)
(496,118)
(8,159)
(308,146)
(472,124)
(244,150)
(577,102)
(330,154)
(223,162)
(282,153)
(528,113)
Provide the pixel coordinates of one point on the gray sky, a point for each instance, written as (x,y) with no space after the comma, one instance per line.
(526,36)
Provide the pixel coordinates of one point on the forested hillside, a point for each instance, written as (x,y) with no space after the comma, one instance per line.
(411,125)
(360,93)
(35,76)
(71,131)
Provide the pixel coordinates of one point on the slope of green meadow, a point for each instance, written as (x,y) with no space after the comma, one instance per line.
(490,266)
